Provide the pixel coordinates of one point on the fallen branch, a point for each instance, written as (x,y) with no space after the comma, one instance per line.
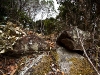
(86,53)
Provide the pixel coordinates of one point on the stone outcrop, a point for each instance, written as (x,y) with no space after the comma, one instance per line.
(28,45)
(73,63)
(70,39)
(16,41)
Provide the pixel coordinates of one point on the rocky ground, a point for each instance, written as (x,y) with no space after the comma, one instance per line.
(34,54)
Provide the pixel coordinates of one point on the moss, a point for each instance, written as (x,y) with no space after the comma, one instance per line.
(54,55)
(43,67)
(80,67)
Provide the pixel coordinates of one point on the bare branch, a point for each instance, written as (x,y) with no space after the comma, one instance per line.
(80,39)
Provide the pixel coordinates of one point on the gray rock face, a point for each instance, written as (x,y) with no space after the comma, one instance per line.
(64,57)
(31,62)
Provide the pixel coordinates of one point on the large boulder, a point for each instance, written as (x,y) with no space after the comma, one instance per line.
(70,40)
(17,41)
(28,45)
(65,40)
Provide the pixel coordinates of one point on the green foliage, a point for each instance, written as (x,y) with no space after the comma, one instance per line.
(4,8)
(13,10)
(65,8)
(24,19)
(49,25)
(79,13)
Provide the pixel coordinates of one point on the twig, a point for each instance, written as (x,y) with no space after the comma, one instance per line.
(86,53)
(2,72)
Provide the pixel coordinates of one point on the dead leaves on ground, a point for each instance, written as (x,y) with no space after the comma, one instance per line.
(8,66)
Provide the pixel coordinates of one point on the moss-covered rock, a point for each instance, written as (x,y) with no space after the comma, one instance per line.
(80,67)
(43,67)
